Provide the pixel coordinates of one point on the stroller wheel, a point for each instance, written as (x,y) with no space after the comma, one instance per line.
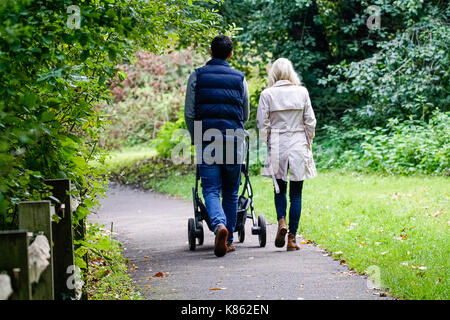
(241,235)
(200,233)
(262,231)
(191,234)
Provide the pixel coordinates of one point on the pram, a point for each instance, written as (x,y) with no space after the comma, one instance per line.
(195,225)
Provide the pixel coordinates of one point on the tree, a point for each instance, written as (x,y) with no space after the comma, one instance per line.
(316,34)
(57,59)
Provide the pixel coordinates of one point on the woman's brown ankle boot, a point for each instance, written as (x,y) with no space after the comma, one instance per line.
(292,245)
(280,238)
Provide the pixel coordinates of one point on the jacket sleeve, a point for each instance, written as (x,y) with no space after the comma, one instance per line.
(309,118)
(262,118)
(246,100)
(189,104)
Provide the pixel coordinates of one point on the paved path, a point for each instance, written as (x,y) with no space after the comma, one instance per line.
(153,230)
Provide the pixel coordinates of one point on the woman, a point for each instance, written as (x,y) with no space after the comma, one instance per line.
(287,124)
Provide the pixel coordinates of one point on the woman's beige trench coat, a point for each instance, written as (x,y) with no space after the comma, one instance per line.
(287,123)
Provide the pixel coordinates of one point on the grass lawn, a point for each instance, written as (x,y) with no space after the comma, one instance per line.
(394,226)
(126,155)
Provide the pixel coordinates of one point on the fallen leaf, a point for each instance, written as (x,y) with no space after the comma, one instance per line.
(159,275)
(437,213)
(342,261)
(422,268)
(217,289)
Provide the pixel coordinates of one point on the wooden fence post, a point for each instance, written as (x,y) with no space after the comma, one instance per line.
(14,259)
(63,253)
(35,216)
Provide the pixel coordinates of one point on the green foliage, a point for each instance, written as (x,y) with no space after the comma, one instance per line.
(407,147)
(52,76)
(107,277)
(316,34)
(359,78)
(409,75)
(173,134)
(144,171)
(410,146)
(150,96)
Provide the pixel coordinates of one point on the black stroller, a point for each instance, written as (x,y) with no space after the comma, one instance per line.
(195,225)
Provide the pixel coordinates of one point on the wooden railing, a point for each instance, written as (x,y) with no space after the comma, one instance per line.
(53,219)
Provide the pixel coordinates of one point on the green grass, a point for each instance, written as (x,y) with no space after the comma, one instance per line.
(125,156)
(107,277)
(398,224)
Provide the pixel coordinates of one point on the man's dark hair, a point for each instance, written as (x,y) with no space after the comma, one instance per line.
(221,46)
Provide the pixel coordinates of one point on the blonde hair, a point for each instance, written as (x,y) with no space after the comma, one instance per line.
(282,69)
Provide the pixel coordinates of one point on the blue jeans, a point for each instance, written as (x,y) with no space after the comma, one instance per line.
(295,197)
(217,180)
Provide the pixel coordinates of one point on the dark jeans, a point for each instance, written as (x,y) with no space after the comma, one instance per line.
(217,180)
(295,198)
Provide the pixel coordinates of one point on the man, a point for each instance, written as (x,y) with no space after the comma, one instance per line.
(217,101)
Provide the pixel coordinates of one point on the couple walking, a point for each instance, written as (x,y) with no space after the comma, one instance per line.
(217,98)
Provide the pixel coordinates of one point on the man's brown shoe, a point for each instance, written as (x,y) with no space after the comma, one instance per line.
(280,238)
(231,248)
(292,245)
(220,244)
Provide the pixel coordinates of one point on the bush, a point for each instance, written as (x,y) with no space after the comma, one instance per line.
(52,76)
(151,95)
(407,76)
(407,147)
(143,172)
(410,146)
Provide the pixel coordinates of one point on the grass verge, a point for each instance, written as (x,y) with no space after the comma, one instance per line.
(106,277)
